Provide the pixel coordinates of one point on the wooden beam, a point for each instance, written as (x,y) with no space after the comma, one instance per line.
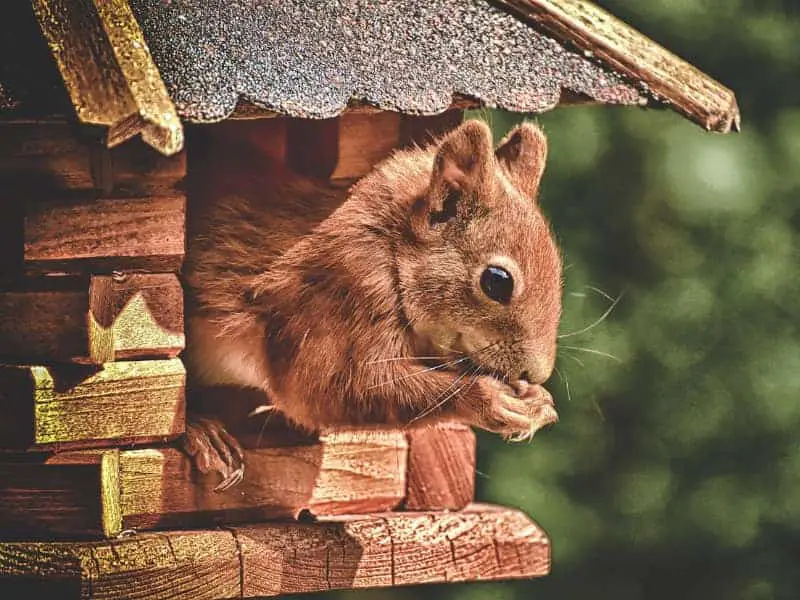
(365,140)
(482,543)
(50,498)
(120,234)
(664,77)
(57,407)
(345,472)
(92,320)
(51,156)
(108,70)
(192,565)
(441,467)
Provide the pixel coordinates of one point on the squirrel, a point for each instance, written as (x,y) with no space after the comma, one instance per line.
(431,289)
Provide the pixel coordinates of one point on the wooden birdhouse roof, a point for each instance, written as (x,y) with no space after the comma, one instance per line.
(141,66)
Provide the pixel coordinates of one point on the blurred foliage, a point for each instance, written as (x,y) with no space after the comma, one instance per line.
(675,469)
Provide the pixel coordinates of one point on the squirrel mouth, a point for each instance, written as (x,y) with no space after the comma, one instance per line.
(469,367)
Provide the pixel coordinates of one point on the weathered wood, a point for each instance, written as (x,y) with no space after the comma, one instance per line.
(193,565)
(67,496)
(664,76)
(92,320)
(441,467)
(55,155)
(345,472)
(481,543)
(145,314)
(365,140)
(118,234)
(108,71)
(391,549)
(73,406)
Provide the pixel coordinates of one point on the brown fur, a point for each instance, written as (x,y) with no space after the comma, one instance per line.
(323,301)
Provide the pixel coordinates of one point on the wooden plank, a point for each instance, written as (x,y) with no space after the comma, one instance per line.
(145,314)
(100,236)
(391,549)
(92,320)
(665,77)
(482,543)
(344,148)
(54,319)
(108,70)
(364,140)
(76,496)
(195,565)
(71,406)
(60,156)
(345,472)
(441,467)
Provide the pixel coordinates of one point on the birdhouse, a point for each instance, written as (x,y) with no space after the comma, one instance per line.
(108,109)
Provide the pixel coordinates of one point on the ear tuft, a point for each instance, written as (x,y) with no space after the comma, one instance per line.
(523,155)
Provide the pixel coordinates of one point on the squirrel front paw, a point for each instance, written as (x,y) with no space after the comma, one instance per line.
(515,412)
(213,450)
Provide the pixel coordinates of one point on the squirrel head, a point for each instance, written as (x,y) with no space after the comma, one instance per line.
(480,279)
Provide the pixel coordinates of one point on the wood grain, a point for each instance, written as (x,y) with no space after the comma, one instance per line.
(73,406)
(665,78)
(364,140)
(53,156)
(193,565)
(89,235)
(441,467)
(481,543)
(345,472)
(91,320)
(76,496)
(108,70)
(391,549)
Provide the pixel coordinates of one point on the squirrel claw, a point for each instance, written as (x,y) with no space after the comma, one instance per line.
(515,417)
(212,449)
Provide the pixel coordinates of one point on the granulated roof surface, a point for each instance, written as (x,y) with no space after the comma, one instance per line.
(309,58)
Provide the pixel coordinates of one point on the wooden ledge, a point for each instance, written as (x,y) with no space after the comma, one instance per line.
(482,542)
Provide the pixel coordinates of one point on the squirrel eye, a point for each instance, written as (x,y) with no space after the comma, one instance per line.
(497,284)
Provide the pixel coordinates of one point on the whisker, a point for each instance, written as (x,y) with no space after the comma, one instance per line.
(565,381)
(420,372)
(575,358)
(471,374)
(436,403)
(602,318)
(592,351)
(605,295)
(382,360)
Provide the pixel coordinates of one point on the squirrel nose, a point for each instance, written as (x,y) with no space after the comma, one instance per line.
(538,370)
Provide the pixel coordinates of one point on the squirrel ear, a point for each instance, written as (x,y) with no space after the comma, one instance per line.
(463,162)
(523,154)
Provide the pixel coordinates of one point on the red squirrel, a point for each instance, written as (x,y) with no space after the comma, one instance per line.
(431,289)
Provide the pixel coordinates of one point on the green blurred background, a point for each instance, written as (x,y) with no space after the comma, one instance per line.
(675,469)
